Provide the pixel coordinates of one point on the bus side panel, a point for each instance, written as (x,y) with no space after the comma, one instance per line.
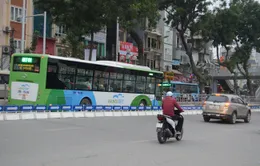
(55,97)
(127,99)
(74,97)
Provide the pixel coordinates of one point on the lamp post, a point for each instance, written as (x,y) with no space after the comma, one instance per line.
(23,28)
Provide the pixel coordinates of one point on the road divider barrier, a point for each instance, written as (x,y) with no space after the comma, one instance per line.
(26,112)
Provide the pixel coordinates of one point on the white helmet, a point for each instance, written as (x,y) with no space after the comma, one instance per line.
(169,93)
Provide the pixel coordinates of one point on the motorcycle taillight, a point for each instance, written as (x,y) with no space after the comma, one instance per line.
(160,117)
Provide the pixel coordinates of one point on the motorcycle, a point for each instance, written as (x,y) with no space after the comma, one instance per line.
(165,130)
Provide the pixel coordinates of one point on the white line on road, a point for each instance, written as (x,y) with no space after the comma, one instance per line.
(63,129)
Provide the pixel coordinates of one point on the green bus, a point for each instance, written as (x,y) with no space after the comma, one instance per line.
(37,79)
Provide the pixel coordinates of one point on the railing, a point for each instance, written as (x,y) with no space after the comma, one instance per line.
(67,111)
(198,99)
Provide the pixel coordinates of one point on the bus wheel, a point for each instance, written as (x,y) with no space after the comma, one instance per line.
(143,103)
(85,101)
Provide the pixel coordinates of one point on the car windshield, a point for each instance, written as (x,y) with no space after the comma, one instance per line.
(219,99)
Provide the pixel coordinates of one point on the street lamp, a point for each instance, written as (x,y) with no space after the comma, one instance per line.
(23,27)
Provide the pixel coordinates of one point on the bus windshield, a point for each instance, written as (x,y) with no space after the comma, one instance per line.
(184,88)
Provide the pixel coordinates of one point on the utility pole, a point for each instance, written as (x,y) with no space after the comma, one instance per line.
(23,26)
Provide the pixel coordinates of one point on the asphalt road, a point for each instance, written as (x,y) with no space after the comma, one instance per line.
(127,141)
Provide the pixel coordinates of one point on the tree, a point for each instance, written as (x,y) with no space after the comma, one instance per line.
(237,22)
(33,43)
(248,36)
(184,16)
(133,14)
(72,46)
(221,29)
(80,17)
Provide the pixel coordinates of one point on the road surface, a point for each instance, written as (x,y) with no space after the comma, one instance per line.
(127,141)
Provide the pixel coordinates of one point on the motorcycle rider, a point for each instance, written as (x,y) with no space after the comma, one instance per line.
(168,105)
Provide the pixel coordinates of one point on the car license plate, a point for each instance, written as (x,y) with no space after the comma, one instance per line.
(215,107)
(159,125)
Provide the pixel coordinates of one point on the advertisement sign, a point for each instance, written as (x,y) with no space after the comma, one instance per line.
(128,52)
(24,91)
(176,62)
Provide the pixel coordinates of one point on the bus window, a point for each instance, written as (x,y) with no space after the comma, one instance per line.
(158,90)
(67,75)
(129,83)
(59,75)
(140,84)
(100,81)
(84,79)
(115,82)
(150,85)
(178,88)
(194,89)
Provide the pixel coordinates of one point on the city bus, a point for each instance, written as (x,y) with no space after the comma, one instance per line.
(182,91)
(37,79)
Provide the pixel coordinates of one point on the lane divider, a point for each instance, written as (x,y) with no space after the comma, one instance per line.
(27,112)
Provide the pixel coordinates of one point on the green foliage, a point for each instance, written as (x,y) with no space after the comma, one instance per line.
(33,43)
(239,23)
(82,17)
(188,16)
(79,16)
(72,46)
(132,13)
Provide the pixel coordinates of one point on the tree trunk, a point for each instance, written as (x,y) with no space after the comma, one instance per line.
(245,73)
(235,84)
(202,87)
(188,50)
(140,46)
(91,46)
(249,86)
(248,79)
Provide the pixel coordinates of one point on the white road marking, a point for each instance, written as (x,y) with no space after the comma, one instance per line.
(63,129)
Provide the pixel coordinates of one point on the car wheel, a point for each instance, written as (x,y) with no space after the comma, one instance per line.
(206,118)
(248,117)
(233,118)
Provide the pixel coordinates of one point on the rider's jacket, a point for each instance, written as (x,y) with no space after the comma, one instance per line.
(168,105)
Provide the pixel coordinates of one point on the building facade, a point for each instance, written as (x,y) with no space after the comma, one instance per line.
(11,28)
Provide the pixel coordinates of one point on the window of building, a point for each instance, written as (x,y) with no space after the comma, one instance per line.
(16,13)
(60,30)
(17,45)
(154,43)
(121,35)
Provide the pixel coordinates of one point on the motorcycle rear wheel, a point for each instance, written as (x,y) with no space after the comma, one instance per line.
(161,137)
(179,137)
